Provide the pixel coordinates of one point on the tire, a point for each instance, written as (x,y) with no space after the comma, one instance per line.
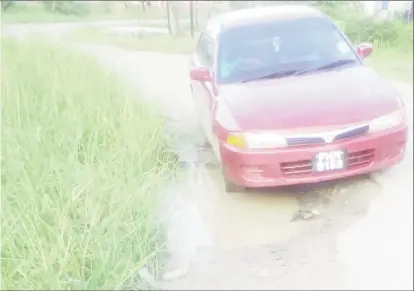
(229,187)
(206,143)
(232,188)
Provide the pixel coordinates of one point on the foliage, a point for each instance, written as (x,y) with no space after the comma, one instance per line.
(82,163)
(359,26)
(5,5)
(68,7)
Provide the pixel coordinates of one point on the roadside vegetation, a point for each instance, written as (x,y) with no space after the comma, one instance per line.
(392,39)
(72,11)
(163,43)
(82,162)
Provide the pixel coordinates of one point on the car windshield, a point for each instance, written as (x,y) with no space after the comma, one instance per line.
(275,48)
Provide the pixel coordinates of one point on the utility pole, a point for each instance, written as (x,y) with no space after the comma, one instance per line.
(174,11)
(192,18)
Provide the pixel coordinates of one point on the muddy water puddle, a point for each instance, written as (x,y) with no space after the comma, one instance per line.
(201,215)
(211,232)
(244,219)
(231,220)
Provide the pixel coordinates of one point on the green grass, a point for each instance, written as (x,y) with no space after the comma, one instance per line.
(82,162)
(392,62)
(22,13)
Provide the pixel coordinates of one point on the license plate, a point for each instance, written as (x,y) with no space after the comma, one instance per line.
(329,161)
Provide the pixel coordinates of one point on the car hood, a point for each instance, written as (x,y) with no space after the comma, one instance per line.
(324,99)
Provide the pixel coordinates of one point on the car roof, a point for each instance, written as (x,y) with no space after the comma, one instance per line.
(248,16)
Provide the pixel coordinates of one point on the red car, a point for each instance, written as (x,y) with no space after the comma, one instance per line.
(285,98)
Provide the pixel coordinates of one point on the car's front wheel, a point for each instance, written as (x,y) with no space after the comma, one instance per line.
(232,188)
(229,187)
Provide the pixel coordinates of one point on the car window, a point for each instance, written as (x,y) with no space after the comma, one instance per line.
(205,51)
(300,44)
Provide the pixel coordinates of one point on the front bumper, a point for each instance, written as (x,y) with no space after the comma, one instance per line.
(293,165)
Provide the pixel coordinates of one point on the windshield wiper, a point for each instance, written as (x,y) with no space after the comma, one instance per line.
(335,64)
(272,76)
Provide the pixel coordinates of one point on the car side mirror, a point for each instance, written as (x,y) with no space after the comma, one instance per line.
(200,74)
(364,50)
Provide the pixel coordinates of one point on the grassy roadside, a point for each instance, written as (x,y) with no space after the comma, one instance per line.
(104,10)
(157,43)
(82,159)
(391,62)
(38,14)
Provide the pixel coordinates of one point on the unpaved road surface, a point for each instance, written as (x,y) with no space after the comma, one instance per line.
(249,240)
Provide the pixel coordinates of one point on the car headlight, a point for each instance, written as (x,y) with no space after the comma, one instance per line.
(256,140)
(387,121)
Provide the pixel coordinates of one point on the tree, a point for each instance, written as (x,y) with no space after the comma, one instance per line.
(6,5)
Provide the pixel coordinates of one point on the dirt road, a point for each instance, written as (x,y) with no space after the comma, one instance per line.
(248,240)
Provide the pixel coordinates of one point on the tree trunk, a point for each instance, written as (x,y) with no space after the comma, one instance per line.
(106,7)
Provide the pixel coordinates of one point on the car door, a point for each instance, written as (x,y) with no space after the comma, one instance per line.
(202,91)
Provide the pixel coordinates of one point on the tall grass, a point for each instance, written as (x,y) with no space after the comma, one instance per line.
(81,162)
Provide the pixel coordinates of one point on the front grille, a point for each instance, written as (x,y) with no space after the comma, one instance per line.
(355,160)
(296,168)
(360,159)
(315,139)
